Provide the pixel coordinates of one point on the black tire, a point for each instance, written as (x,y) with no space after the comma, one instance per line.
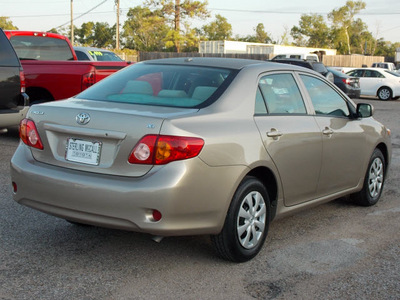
(373,182)
(385,93)
(253,223)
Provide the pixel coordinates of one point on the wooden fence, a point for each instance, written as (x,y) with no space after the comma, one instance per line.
(355,61)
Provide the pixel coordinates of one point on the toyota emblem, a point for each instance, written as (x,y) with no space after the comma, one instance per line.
(82,118)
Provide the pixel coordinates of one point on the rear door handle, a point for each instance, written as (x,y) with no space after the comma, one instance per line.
(327,131)
(274,133)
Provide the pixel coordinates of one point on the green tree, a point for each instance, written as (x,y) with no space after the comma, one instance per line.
(7,24)
(144,29)
(311,32)
(342,19)
(176,11)
(218,30)
(260,36)
(98,34)
(85,34)
(361,39)
(385,48)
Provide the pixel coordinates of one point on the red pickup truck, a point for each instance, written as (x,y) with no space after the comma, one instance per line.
(52,71)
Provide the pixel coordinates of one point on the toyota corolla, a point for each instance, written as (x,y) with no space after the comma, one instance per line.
(200,146)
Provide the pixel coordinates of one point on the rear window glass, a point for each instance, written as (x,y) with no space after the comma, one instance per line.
(319,67)
(393,73)
(104,55)
(41,48)
(162,85)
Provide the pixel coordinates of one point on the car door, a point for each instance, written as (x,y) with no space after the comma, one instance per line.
(372,80)
(344,144)
(290,135)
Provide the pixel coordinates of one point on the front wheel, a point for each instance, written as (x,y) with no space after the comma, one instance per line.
(373,181)
(246,224)
(384,93)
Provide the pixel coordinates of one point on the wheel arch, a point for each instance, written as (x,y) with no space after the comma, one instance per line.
(268,179)
(39,94)
(385,151)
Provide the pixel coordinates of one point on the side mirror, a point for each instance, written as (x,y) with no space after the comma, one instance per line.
(365,110)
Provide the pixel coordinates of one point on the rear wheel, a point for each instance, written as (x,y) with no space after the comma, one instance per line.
(373,182)
(385,93)
(246,224)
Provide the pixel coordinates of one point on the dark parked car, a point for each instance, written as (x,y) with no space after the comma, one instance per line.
(348,84)
(313,65)
(14,103)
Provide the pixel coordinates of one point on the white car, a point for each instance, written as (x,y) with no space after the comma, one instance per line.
(378,82)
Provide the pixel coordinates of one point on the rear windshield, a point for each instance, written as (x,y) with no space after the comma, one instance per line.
(104,55)
(393,73)
(41,48)
(319,67)
(162,85)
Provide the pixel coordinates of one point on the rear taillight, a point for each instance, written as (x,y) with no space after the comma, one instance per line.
(29,134)
(346,80)
(22,80)
(162,149)
(88,80)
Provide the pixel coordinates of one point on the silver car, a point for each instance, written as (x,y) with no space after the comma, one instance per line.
(200,146)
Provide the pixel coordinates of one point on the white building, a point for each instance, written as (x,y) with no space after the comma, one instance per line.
(235,47)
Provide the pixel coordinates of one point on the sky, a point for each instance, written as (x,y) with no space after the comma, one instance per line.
(381,16)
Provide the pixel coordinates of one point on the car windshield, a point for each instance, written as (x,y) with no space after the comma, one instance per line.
(162,85)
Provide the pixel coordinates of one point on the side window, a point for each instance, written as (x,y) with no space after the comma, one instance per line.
(325,99)
(260,107)
(281,94)
(377,75)
(356,73)
(373,74)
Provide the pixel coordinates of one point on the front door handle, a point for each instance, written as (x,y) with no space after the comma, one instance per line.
(274,133)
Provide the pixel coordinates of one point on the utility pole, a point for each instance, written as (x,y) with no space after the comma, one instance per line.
(117,31)
(72,24)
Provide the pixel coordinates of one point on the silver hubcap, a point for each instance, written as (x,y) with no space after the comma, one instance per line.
(375,180)
(251,220)
(384,94)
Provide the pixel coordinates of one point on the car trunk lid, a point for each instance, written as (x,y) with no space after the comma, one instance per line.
(96,136)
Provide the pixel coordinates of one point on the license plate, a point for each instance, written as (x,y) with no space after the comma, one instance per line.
(82,151)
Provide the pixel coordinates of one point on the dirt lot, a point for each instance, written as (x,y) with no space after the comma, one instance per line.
(334,251)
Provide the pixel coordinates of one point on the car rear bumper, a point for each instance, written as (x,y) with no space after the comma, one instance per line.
(191,202)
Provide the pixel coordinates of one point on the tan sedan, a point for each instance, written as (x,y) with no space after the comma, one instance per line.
(200,146)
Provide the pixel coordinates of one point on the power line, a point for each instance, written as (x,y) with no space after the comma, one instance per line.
(85,13)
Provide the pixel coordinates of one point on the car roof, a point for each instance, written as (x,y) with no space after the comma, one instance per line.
(229,63)
(218,62)
(295,61)
(91,49)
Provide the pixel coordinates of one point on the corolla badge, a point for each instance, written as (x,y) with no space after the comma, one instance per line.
(82,118)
